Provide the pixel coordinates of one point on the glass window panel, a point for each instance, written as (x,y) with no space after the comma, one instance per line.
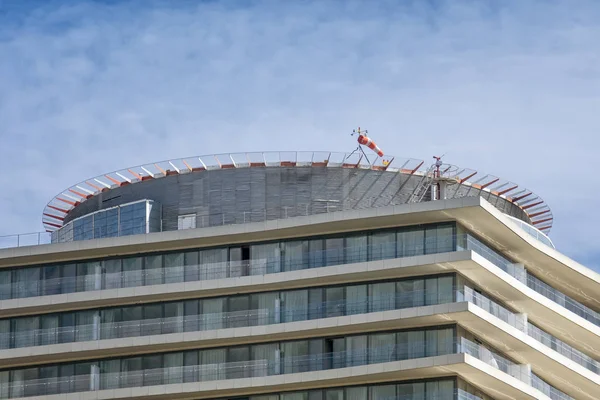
(294,396)
(237,266)
(173,368)
(316,253)
(132,271)
(68,278)
(191,361)
(152,324)
(131,372)
(110,373)
(50,379)
(295,255)
(413,391)
(25,335)
(357,393)
(86,328)
(66,372)
(191,321)
(334,394)
(89,276)
(27,282)
(153,270)
(152,366)
(110,327)
(383,296)
(50,329)
(382,245)
(5,334)
(383,392)
(112,273)
(51,282)
(5,284)
(316,305)
(213,361)
(265,258)
(213,264)
(173,317)
(192,266)
(356,350)
(410,293)
(383,347)
(5,384)
(335,301)
(295,356)
(212,313)
(66,333)
(411,242)
(265,357)
(334,251)
(294,305)
(174,267)
(356,249)
(131,321)
(238,311)
(439,238)
(356,299)
(238,356)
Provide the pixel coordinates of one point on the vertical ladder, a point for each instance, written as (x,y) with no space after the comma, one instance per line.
(423,186)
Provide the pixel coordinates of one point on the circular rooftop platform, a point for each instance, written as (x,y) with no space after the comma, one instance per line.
(393,181)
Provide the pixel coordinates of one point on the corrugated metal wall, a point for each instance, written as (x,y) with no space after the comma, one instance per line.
(233,196)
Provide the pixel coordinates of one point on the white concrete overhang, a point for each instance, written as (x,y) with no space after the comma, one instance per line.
(547,314)
(475,213)
(496,383)
(555,368)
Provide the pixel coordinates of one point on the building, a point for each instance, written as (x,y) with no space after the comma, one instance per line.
(288,276)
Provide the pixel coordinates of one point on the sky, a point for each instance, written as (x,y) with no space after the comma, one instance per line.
(504,87)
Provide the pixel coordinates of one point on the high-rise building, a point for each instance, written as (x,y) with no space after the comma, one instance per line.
(296,276)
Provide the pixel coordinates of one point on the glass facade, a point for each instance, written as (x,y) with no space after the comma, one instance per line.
(264,359)
(442,389)
(127,219)
(432,389)
(225,312)
(224,262)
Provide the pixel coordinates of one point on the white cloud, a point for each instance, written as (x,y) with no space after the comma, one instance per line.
(512,90)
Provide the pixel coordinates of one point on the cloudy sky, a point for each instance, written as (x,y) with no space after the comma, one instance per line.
(505,87)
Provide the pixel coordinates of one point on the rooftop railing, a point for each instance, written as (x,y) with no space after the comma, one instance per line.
(273,365)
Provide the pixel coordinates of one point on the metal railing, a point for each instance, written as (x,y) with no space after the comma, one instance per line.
(274,365)
(229,269)
(24,239)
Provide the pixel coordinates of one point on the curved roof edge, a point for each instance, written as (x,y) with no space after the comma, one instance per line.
(56,210)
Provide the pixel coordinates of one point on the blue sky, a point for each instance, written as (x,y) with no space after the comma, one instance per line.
(508,87)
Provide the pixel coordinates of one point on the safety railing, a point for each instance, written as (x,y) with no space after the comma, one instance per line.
(561,347)
(249,318)
(101,280)
(560,298)
(273,364)
(24,239)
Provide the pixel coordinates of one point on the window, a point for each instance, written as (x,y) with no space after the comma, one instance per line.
(187,221)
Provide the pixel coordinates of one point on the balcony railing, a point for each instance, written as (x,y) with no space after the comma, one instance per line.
(275,364)
(276,315)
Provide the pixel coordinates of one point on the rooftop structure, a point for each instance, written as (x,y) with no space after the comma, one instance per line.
(284,276)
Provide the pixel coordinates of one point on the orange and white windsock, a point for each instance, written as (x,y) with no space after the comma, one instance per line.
(366,141)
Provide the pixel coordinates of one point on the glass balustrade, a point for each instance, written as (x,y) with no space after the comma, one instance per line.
(277,365)
(263,368)
(275,315)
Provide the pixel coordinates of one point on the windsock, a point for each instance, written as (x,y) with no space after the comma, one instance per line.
(366,141)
